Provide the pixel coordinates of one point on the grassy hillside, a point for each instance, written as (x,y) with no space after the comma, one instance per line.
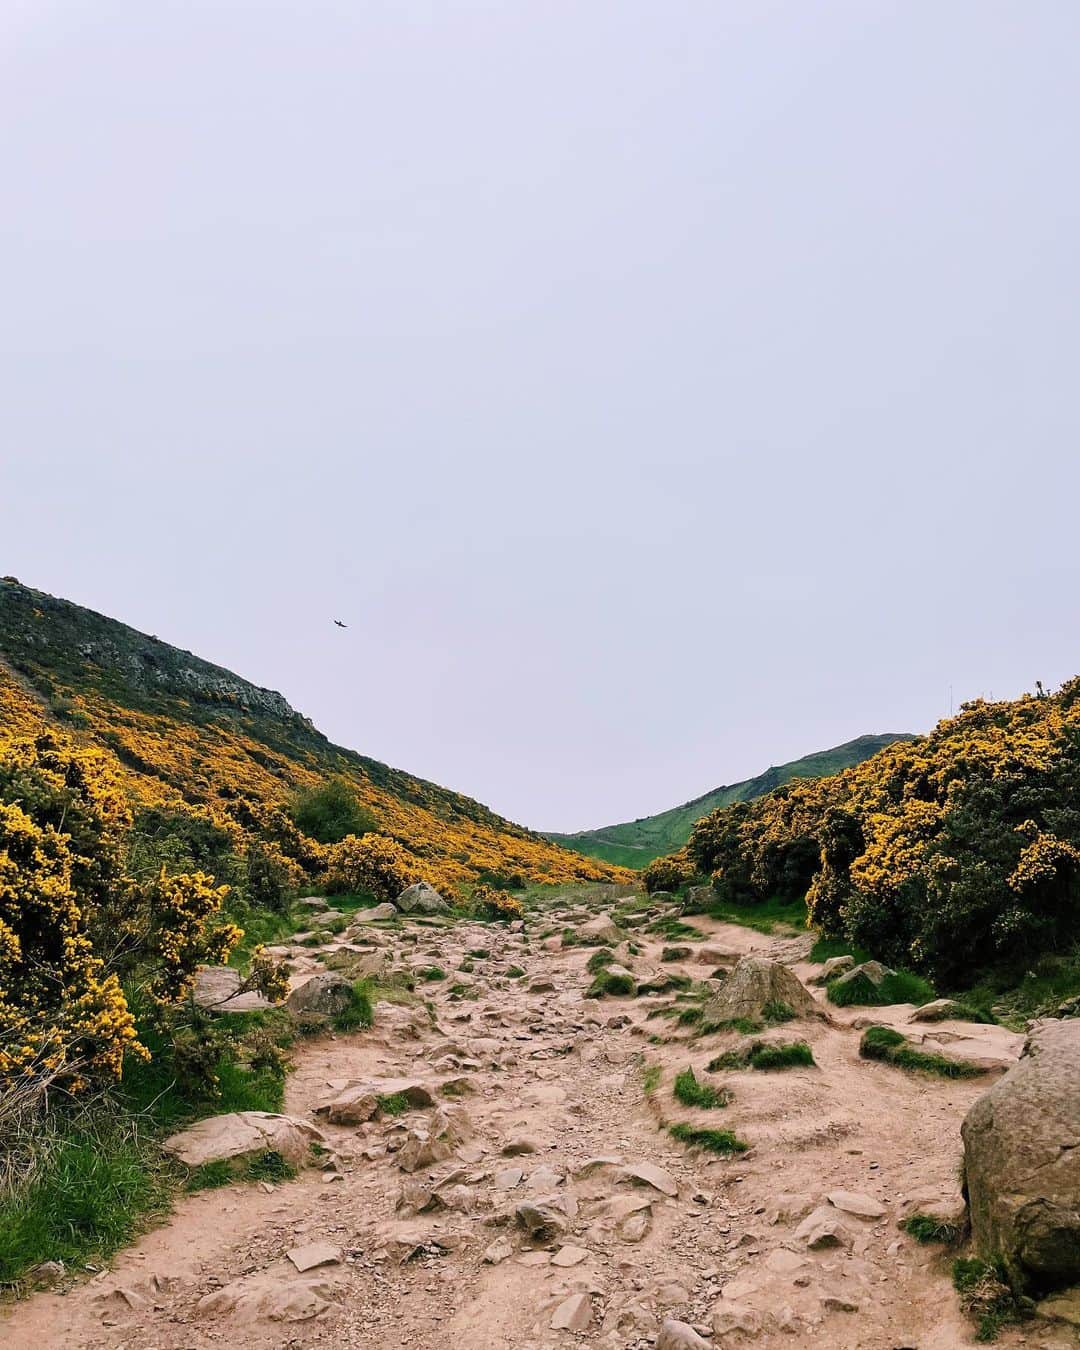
(194,741)
(637,842)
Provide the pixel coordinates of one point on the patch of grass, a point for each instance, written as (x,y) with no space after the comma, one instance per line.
(431,973)
(689,1016)
(602,957)
(515,973)
(674,954)
(479,954)
(269,1166)
(91,1185)
(825,948)
(675,930)
(610,984)
(650,1078)
(777,1012)
(797,1054)
(210,1176)
(900,987)
(467,967)
(359,1012)
(764,917)
(691,1092)
(393,1104)
(985,1297)
(714,1141)
(925,1228)
(884,1043)
(745,1026)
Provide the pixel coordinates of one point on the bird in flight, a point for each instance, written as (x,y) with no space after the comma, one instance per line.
(340,624)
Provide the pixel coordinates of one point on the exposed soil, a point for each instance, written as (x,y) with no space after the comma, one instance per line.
(541,1081)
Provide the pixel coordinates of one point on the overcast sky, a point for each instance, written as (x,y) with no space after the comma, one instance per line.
(659,390)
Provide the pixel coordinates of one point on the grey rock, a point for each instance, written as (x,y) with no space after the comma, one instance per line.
(1022,1162)
(327,993)
(421,899)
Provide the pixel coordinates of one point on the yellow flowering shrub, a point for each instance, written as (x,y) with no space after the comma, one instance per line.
(72,921)
(668,873)
(496,904)
(373,863)
(950,853)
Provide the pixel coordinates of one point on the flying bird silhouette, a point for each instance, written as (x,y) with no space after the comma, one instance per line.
(340,624)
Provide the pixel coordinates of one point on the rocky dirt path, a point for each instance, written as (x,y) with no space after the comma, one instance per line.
(532,1196)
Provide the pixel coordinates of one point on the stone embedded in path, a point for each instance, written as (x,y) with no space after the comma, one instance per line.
(676,1335)
(823,1227)
(833,967)
(313,1255)
(547,1217)
(376,915)
(359,1102)
(868,975)
(328,993)
(500,1250)
(937,1010)
(573,1314)
(601,929)
(854,1202)
(569,1256)
(648,1174)
(754,983)
(241,1136)
(421,899)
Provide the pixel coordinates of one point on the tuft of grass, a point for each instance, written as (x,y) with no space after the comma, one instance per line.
(745,1026)
(776,1012)
(467,967)
(431,973)
(691,1092)
(602,957)
(900,987)
(714,1141)
(985,1297)
(650,1078)
(925,1228)
(359,1012)
(795,1055)
(515,973)
(825,948)
(886,1044)
(612,983)
(209,1176)
(479,954)
(393,1104)
(269,1166)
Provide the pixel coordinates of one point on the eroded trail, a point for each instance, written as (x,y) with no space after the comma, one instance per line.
(540,1201)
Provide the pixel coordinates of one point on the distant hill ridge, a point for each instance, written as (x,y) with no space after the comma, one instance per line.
(636,842)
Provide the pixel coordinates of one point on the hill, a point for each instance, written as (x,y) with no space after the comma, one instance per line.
(198,746)
(637,842)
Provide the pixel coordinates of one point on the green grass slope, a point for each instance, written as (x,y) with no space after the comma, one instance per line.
(637,842)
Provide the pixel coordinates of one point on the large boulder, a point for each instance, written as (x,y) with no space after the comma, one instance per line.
(602,928)
(328,993)
(1022,1162)
(754,983)
(242,1136)
(421,899)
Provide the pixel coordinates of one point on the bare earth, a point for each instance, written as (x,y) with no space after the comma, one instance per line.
(543,1081)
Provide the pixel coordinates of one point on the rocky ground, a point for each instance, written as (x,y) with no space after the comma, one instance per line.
(497,1171)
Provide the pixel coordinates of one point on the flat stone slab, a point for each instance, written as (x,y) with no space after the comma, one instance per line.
(313,1255)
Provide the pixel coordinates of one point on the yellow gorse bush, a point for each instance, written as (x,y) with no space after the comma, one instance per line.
(72,922)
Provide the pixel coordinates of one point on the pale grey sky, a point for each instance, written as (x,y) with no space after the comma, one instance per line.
(659,390)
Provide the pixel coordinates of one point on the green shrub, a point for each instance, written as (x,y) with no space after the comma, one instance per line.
(602,957)
(431,973)
(797,1054)
(691,1092)
(330,811)
(515,973)
(714,1141)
